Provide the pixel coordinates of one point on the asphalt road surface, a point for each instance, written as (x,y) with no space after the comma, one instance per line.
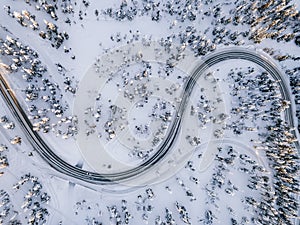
(60,165)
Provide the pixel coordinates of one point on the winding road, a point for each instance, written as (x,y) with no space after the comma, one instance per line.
(96,178)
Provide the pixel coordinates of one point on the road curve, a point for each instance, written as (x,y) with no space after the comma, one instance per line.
(96,178)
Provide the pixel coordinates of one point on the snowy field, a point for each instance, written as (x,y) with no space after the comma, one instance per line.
(124,112)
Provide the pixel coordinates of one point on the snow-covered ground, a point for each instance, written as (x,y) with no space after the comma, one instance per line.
(102,82)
